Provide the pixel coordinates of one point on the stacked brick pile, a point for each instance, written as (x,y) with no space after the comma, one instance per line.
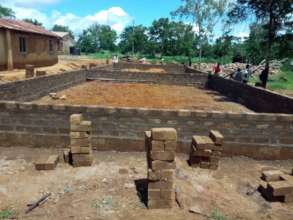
(205,151)
(80,141)
(161,146)
(276,186)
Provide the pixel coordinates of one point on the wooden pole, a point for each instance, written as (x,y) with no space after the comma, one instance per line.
(9,50)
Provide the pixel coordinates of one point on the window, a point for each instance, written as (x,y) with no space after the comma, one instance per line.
(51,48)
(22,45)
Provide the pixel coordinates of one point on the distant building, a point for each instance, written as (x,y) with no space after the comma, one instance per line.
(23,43)
(65,43)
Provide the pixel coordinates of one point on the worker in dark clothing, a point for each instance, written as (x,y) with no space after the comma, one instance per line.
(263,77)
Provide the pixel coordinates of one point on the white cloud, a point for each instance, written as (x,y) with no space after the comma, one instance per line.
(242,34)
(115,17)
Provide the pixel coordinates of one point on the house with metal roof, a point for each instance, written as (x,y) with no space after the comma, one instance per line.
(66,43)
(22,43)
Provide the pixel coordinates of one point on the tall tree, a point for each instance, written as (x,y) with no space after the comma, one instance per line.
(33,21)
(97,37)
(134,36)
(61,28)
(204,14)
(274,14)
(6,12)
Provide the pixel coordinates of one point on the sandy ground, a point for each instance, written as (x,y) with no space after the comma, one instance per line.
(64,65)
(144,95)
(108,189)
(151,70)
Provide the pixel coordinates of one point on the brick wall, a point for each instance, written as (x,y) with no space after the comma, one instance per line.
(264,136)
(198,79)
(257,99)
(29,89)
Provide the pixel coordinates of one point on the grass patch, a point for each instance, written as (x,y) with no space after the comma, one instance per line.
(217,215)
(6,214)
(283,80)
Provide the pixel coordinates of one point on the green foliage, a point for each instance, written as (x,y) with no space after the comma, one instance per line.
(61,28)
(33,21)
(6,12)
(6,214)
(134,38)
(217,215)
(282,81)
(96,38)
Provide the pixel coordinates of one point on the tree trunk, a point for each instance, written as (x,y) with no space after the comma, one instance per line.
(269,46)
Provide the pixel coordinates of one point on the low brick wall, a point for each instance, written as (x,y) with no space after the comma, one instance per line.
(199,80)
(257,99)
(263,136)
(30,89)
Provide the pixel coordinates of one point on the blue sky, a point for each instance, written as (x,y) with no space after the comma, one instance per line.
(79,14)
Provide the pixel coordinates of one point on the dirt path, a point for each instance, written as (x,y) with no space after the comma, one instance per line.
(108,189)
(145,95)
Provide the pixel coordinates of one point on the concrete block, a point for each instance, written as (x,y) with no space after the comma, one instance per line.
(203,142)
(49,163)
(81,150)
(164,134)
(79,160)
(76,119)
(84,126)
(280,188)
(161,165)
(157,146)
(79,135)
(82,142)
(271,175)
(217,137)
(170,145)
(160,204)
(163,155)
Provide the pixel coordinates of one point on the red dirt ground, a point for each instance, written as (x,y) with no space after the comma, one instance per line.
(145,95)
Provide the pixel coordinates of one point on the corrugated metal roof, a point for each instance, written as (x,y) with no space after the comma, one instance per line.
(23,26)
(61,34)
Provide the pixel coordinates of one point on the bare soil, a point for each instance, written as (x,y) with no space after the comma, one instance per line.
(150,70)
(144,95)
(108,189)
(64,65)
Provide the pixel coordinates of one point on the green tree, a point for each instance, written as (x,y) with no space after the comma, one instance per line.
(273,14)
(171,38)
(61,28)
(6,12)
(134,36)
(204,14)
(33,21)
(97,37)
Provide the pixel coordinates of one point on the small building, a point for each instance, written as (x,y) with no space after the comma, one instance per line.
(65,43)
(23,43)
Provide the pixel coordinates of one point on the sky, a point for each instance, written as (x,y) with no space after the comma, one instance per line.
(80,14)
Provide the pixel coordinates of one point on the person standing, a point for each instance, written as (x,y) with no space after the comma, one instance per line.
(217,69)
(246,74)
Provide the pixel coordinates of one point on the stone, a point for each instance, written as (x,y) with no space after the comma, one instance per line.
(47,164)
(163,155)
(81,142)
(160,204)
(217,137)
(160,165)
(40,73)
(79,135)
(76,119)
(280,188)
(271,175)
(164,134)
(157,146)
(84,126)
(170,145)
(81,150)
(203,142)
